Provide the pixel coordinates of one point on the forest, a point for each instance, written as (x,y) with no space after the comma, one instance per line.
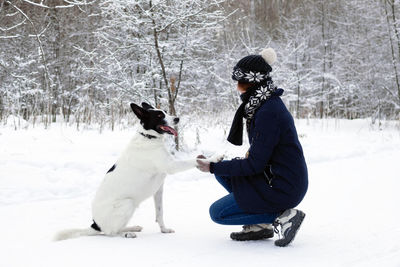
(84,61)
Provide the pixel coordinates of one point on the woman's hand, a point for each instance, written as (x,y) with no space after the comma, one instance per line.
(202,164)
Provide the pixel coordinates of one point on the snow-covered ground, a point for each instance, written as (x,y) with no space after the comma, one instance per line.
(48,178)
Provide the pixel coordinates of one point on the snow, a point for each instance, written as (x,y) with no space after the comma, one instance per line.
(48,178)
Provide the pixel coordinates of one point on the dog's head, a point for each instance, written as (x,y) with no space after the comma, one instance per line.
(155,119)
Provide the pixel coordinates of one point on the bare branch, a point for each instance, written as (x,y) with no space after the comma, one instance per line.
(46,71)
(69,4)
(13,27)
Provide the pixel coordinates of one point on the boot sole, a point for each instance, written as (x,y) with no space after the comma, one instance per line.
(289,239)
(259,235)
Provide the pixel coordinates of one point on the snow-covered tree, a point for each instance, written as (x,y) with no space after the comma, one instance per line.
(83,60)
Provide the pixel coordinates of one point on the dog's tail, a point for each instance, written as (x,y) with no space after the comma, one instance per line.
(74,233)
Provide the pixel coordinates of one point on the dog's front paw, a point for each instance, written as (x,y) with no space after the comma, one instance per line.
(216,158)
(167,230)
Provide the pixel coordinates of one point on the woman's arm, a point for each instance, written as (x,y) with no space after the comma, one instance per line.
(265,138)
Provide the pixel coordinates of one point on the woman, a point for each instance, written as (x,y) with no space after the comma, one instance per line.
(272,179)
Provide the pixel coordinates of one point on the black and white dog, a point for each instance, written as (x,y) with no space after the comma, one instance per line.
(138,174)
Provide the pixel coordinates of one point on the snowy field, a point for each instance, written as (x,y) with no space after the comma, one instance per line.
(48,179)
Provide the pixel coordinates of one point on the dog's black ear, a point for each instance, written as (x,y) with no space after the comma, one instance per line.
(146,106)
(139,112)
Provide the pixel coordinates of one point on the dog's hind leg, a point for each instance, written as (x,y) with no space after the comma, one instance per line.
(159,210)
(117,217)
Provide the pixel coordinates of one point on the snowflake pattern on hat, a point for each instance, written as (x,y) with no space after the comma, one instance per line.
(238,74)
(248,76)
(254,76)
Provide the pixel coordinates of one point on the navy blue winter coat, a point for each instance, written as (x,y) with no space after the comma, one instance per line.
(275,149)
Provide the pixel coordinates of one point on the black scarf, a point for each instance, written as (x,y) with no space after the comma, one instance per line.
(252,99)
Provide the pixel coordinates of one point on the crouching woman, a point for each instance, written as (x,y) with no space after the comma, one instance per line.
(265,186)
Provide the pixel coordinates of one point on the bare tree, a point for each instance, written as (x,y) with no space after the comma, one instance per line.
(82,60)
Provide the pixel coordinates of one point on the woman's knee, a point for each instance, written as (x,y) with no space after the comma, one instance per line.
(223,208)
(215,212)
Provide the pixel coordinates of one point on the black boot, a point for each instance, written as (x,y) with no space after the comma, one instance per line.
(253,232)
(289,221)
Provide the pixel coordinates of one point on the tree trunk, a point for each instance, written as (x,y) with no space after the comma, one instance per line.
(47,84)
(298,81)
(396,31)
(394,61)
(171,90)
(1,108)
(57,61)
(172,109)
(321,107)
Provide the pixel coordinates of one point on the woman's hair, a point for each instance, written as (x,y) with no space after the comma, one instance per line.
(245,85)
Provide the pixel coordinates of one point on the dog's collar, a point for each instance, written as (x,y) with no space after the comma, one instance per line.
(149,136)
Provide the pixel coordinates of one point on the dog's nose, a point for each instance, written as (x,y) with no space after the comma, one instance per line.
(176,120)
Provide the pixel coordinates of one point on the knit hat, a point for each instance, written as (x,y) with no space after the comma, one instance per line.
(254,68)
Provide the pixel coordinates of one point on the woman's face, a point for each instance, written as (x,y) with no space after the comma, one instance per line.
(242,87)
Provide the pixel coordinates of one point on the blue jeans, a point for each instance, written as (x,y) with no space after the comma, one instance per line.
(226,210)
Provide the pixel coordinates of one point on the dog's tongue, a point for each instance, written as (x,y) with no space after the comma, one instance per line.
(169,130)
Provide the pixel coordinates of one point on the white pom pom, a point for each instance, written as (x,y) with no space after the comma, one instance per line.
(269,55)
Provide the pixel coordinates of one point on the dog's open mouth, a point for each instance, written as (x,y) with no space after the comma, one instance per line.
(168,130)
